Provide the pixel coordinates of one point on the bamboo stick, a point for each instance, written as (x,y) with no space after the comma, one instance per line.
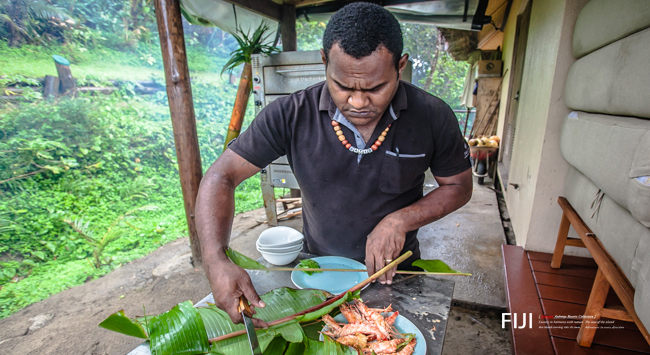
(404,272)
(356,288)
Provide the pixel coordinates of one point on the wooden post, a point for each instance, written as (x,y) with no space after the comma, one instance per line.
(288,28)
(65,75)
(51,86)
(181,108)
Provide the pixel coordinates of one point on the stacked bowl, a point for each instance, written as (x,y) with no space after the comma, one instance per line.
(280,245)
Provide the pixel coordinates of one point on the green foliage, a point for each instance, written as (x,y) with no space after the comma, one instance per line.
(99,243)
(243,261)
(249,45)
(309,35)
(435,266)
(309,264)
(185,329)
(106,155)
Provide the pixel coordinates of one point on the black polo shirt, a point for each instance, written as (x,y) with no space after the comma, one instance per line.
(346,195)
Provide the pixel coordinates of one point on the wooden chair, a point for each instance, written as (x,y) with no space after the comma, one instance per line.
(609,275)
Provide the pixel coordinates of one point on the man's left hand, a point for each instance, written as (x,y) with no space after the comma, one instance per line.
(384,245)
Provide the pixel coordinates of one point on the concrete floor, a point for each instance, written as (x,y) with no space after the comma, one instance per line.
(468,240)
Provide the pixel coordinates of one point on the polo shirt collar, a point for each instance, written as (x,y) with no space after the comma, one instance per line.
(398,103)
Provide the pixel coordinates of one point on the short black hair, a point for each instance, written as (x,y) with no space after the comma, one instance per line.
(360,28)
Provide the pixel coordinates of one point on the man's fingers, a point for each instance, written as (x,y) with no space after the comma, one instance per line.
(251,295)
(381,263)
(370,265)
(259,323)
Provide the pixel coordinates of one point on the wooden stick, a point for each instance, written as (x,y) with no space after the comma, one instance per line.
(404,272)
(356,288)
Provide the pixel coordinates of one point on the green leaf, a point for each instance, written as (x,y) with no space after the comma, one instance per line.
(434,266)
(179,331)
(9,272)
(39,254)
(280,303)
(327,347)
(243,261)
(52,168)
(325,310)
(29,262)
(309,264)
(50,247)
(295,349)
(276,346)
(120,323)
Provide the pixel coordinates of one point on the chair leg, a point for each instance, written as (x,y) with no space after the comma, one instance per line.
(562,235)
(594,310)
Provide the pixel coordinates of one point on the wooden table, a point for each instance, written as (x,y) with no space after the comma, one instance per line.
(424,300)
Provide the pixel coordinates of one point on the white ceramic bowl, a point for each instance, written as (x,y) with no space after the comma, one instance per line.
(283,249)
(280,236)
(280,258)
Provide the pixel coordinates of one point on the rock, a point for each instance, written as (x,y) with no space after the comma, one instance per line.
(40,321)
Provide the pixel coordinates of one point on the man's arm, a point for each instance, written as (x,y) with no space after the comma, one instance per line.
(215,209)
(386,241)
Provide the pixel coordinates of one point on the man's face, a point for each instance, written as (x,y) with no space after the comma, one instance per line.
(362,88)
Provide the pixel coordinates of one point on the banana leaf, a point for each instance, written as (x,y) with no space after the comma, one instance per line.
(186,330)
(179,331)
(243,261)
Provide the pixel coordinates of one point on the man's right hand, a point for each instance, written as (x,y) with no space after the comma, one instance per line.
(229,282)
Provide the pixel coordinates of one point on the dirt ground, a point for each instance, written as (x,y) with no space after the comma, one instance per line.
(66,323)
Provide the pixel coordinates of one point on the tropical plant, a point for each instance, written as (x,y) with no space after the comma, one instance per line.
(113,233)
(16,15)
(248,45)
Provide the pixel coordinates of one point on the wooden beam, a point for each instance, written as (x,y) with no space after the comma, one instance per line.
(181,108)
(288,29)
(266,8)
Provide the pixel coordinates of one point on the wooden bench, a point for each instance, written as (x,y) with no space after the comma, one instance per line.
(608,275)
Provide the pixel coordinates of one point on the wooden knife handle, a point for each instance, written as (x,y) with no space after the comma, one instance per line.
(244,307)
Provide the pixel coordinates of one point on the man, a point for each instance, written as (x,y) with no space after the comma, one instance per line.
(358,144)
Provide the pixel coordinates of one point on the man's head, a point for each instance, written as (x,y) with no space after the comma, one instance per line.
(362,49)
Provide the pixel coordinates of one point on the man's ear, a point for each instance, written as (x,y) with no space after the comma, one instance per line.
(402,65)
(323,57)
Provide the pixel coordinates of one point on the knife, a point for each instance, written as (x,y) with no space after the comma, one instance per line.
(247,314)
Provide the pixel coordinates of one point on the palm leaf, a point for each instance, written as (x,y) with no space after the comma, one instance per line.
(249,45)
(44,11)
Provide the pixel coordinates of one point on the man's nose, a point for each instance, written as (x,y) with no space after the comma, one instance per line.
(358,99)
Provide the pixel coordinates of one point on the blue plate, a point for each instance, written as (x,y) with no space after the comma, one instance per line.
(403,326)
(331,281)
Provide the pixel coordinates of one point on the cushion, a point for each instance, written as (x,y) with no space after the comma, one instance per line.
(602,22)
(613,79)
(614,153)
(625,239)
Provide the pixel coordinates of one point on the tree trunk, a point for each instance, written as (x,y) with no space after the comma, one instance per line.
(241,101)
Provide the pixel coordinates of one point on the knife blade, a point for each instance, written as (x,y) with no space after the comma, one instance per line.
(247,314)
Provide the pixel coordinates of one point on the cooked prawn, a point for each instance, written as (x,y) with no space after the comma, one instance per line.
(383,347)
(391,319)
(408,349)
(374,318)
(357,341)
(351,313)
(368,329)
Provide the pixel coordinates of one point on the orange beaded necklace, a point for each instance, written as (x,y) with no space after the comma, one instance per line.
(348,146)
